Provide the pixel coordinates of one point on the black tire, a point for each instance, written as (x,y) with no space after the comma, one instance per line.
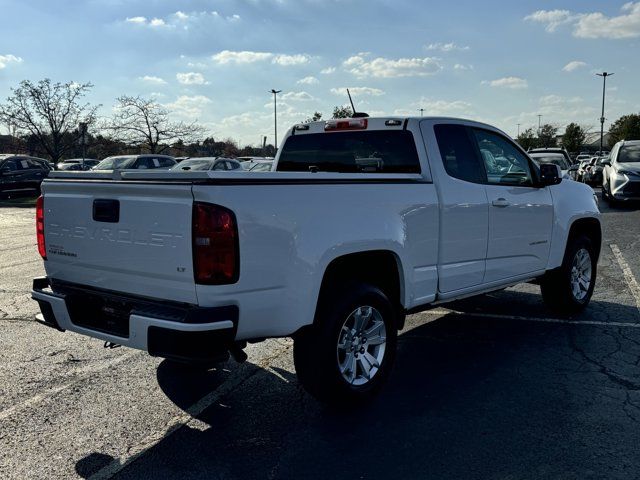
(556,285)
(316,352)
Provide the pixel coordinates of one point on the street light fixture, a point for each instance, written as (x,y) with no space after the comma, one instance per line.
(275,116)
(604,76)
(421,111)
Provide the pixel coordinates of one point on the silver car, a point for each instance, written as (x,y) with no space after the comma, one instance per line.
(621,174)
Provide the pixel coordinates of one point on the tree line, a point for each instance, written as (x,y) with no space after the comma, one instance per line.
(626,127)
(52,119)
(44,119)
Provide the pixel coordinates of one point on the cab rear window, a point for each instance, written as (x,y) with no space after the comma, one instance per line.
(372,151)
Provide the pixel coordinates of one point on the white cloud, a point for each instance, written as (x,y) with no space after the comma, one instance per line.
(508,82)
(287,60)
(598,25)
(361,66)
(7,59)
(240,57)
(245,57)
(191,78)
(328,70)
(460,66)
(573,65)
(152,80)
(297,96)
(551,18)
(357,91)
(181,19)
(548,100)
(593,24)
(189,106)
(308,81)
(446,47)
(136,20)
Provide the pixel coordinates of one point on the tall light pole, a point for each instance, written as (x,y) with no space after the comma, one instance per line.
(421,111)
(275,115)
(604,76)
(539,120)
(518,129)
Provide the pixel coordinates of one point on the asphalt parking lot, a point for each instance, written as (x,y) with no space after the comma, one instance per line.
(494,387)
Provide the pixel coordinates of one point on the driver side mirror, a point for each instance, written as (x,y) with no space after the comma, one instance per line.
(550,174)
(606,162)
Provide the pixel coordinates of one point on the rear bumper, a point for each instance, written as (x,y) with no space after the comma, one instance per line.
(177,331)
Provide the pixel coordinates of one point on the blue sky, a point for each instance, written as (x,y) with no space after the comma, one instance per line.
(502,62)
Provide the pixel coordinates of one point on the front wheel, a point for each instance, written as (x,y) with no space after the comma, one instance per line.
(348,353)
(568,289)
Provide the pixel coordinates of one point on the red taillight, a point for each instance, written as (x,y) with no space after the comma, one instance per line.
(216,258)
(346,124)
(42,250)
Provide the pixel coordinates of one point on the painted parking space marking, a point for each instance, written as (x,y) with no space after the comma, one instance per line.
(632,283)
(84,373)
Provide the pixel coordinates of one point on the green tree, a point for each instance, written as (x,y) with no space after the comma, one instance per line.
(547,135)
(527,139)
(342,112)
(48,113)
(314,118)
(626,127)
(573,138)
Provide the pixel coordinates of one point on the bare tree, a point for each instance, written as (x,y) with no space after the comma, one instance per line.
(143,122)
(49,113)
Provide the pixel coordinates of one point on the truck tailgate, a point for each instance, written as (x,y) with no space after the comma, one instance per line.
(121,236)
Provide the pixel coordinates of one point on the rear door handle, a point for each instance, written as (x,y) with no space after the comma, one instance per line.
(500,202)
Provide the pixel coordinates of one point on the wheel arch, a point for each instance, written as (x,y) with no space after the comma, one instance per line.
(381,268)
(590,227)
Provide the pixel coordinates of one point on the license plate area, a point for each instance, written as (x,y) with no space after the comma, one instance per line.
(99,313)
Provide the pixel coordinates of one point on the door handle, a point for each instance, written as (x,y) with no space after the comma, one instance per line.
(500,202)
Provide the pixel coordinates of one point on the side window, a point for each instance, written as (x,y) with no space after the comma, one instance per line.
(503,162)
(35,164)
(166,162)
(144,163)
(10,165)
(458,153)
(219,165)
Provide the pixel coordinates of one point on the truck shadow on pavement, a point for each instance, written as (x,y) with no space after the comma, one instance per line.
(469,398)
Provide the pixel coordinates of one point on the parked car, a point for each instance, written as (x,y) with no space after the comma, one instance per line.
(207,163)
(583,156)
(583,167)
(621,173)
(593,174)
(22,173)
(559,150)
(555,159)
(262,166)
(136,162)
(355,229)
(85,164)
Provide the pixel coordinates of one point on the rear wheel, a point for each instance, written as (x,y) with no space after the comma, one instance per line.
(568,289)
(347,354)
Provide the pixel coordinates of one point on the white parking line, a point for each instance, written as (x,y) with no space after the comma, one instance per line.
(188,418)
(531,319)
(84,373)
(628,274)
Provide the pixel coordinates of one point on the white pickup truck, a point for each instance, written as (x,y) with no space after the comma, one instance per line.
(364,221)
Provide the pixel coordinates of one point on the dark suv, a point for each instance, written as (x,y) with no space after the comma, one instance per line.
(19,173)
